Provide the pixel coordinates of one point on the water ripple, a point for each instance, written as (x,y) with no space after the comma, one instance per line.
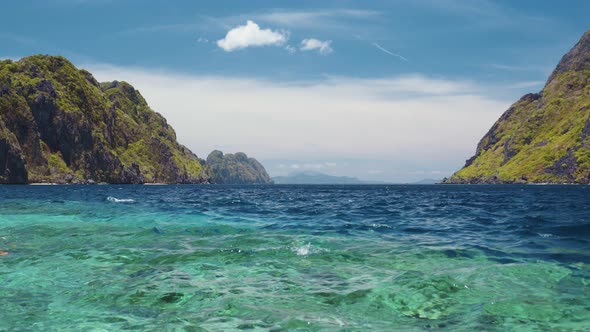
(294,257)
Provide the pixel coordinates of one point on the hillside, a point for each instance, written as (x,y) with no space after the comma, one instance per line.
(544,137)
(58,124)
(235,168)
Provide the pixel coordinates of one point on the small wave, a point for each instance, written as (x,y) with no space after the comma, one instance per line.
(303,250)
(378,225)
(120,200)
(548,235)
(307,249)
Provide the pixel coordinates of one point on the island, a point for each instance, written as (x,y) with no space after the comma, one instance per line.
(542,138)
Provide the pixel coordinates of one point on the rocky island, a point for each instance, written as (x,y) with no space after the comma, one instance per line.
(235,168)
(59,125)
(544,137)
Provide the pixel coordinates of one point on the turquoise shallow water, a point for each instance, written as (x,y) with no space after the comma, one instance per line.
(308,258)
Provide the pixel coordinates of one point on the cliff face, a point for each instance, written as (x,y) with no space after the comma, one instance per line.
(235,169)
(543,137)
(58,124)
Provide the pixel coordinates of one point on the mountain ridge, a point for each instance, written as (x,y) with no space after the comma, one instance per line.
(544,137)
(58,124)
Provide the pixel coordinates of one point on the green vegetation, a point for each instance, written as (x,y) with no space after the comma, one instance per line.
(58,124)
(235,169)
(544,137)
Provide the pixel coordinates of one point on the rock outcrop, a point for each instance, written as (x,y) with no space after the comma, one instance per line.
(235,169)
(58,124)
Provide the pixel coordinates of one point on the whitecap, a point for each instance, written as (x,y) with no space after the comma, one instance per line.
(307,249)
(120,200)
(546,235)
(303,250)
(377,225)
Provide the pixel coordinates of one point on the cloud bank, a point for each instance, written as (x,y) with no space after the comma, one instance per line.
(417,120)
(248,35)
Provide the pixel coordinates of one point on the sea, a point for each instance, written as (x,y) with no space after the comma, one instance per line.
(295,258)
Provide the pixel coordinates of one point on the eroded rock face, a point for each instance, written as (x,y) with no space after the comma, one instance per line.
(543,137)
(12,166)
(235,169)
(58,124)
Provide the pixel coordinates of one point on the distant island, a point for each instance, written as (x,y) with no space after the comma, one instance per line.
(59,125)
(236,169)
(312,177)
(544,137)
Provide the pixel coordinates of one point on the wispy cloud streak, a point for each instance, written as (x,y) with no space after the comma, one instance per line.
(520,68)
(313,18)
(381,48)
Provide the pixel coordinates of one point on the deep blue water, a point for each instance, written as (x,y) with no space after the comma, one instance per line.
(295,257)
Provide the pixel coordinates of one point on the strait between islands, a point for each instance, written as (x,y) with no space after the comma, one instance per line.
(59,125)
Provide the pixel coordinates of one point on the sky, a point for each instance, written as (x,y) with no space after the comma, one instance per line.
(397,90)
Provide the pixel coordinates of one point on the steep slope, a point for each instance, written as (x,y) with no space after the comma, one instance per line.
(58,124)
(543,137)
(235,169)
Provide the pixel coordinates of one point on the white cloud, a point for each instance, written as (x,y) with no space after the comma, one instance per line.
(309,166)
(313,166)
(521,68)
(405,86)
(250,35)
(290,49)
(526,84)
(408,120)
(324,47)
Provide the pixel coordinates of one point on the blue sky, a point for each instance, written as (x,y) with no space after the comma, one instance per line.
(384,90)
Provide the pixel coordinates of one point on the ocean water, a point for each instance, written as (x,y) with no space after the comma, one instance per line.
(307,258)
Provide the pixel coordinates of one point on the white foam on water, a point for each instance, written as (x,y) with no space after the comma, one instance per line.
(547,235)
(303,250)
(307,249)
(120,200)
